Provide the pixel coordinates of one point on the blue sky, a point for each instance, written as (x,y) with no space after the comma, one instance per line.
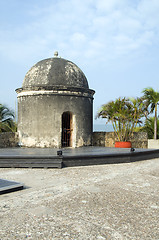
(114,42)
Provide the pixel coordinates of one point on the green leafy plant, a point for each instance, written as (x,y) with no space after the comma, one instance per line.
(151,98)
(7,123)
(124,114)
(148,127)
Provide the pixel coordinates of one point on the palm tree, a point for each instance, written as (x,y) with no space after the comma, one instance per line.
(152,99)
(124,114)
(148,127)
(7,123)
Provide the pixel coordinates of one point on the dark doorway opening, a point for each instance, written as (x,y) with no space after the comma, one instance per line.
(67,129)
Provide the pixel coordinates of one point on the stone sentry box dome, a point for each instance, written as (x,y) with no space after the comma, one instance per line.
(55,106)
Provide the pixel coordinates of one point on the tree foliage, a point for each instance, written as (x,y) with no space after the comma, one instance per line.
(151,98)
(149,127)
(124,114)
(7,123)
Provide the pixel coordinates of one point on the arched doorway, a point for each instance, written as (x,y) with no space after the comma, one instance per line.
(67,129)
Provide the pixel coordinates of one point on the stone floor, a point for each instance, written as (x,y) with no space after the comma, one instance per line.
(118,201)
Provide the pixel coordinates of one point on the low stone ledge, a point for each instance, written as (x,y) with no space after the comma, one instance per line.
(9,139)
(152,143)
(107,139)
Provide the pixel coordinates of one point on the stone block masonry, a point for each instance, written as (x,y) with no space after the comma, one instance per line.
(55,106)
(107,139)
(102,139)
(9,139)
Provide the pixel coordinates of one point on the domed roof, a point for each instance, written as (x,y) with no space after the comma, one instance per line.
(53,72)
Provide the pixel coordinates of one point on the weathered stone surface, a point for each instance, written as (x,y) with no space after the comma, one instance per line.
(55,72)
(104,139)
(40,120)
(108,202)
(99,139)
(153,143)
(107,139)
(52,87)
(9,139)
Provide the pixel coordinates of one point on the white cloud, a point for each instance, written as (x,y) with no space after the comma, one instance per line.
(78,38)
(109,28)
(109,5)
(103,37)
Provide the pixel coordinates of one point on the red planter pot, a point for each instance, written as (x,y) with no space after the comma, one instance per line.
(123,144)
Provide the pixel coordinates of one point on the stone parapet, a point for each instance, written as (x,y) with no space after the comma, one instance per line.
(107,139)
(103,139)
(152,143)
(9,139)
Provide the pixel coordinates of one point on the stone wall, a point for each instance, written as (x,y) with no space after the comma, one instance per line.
(104,139)
(8,139)
(152,143)
(40,117)
(107,139)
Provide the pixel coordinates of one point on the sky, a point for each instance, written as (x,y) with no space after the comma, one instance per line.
(114,42)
